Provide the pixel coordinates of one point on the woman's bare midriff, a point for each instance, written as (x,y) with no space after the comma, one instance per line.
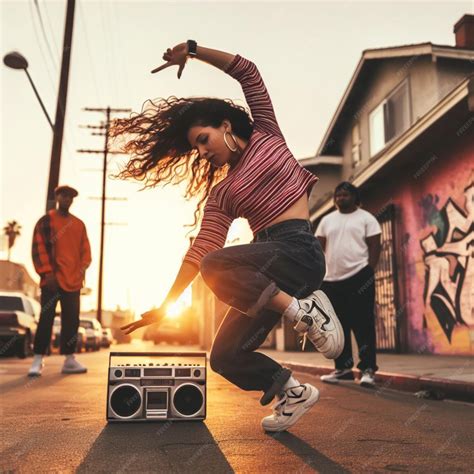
(298,210)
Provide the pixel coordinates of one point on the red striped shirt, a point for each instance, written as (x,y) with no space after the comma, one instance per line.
(266,181)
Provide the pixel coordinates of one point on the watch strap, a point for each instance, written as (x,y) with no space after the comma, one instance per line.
(192,48)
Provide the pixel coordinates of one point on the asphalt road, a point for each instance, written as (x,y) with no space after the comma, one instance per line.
(57,423)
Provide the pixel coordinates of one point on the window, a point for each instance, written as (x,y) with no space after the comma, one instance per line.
(11,303)
(356,143)
(389,119)
(84,323)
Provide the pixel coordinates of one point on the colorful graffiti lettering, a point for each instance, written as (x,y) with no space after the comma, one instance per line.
(448,259)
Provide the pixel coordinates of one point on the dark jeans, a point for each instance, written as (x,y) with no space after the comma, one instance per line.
(70,304)
(285,256)
(353,300)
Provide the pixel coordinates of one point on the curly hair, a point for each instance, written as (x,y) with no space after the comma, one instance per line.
(160,151)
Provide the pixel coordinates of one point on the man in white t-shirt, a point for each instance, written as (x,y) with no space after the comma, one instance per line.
(350,238)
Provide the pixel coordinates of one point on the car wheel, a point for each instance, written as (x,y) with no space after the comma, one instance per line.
(24,346)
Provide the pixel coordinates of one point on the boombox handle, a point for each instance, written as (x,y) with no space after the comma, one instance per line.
(150,354)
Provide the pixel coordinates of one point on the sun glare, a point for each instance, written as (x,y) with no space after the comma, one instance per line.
(173,311)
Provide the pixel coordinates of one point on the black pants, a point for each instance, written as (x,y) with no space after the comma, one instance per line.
(285,256)
(354,299)
(70,305)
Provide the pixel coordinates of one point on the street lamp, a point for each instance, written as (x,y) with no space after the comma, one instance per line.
(16,60)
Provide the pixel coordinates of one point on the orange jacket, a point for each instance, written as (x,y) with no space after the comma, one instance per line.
(60,245)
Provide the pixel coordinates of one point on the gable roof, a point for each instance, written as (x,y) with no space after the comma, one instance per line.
(409,50)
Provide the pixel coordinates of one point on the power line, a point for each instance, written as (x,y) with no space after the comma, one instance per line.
(45,36)
(86,36)
(43,55)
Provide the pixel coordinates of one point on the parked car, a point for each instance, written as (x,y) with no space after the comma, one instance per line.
(19,316)
(93,332)
(56,336)
(107,338)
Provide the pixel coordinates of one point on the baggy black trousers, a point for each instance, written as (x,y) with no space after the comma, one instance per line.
(70,307)
(285,256)
(353,300)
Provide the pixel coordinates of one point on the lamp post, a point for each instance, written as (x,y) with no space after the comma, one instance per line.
(15,60)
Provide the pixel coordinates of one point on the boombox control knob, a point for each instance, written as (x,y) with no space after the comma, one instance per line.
(118,373)
(197,373)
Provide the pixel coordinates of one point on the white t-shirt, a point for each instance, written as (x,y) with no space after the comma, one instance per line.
(346,249)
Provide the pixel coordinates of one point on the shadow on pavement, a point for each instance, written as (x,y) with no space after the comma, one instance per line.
(310,456)
(155,447)
(27,382)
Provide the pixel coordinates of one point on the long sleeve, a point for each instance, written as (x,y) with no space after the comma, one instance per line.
(42,251)
(85,250)
(256,94)
(212,234)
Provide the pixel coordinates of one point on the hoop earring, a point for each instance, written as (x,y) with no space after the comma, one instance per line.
(227,144)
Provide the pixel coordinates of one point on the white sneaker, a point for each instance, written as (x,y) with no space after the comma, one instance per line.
(37,366)
(72,366)
(368,378)
(338,376)
(295,402)
(317,320)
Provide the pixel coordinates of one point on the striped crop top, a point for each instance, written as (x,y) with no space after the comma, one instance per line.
(267,179)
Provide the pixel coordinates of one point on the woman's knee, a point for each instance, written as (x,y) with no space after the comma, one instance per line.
(219,361)
(208,266)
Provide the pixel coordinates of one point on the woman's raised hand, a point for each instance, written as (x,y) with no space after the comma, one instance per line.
(150,317)
(176,56)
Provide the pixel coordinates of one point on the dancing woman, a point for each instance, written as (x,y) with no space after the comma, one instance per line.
(242,167)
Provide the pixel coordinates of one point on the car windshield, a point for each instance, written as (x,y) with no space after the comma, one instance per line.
(86,324)
(11,303)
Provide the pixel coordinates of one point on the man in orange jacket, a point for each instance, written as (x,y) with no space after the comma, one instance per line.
(61,254)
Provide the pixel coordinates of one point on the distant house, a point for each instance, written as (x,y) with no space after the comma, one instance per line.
(15,277)
(404,134)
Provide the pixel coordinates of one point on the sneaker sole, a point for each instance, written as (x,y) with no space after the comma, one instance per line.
(323,302)
(73,371)
(34,374)
(367,385)
(336,381)
(312,400)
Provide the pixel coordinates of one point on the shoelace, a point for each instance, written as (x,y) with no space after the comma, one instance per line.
(278,407)
(319,333)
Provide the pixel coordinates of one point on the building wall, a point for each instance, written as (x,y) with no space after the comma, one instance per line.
(386,76)
(329,177)
(15,277)
(450,73)
(435,248)
(429,81)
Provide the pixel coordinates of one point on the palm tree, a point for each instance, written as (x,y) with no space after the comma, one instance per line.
(12,231)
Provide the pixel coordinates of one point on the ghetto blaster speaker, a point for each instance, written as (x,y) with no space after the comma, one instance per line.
(152,386)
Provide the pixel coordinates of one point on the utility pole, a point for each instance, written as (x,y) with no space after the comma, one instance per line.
(58,128)
(108,111)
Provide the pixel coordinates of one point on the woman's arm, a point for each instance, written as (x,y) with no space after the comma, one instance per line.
(179,55)
(186,275)
(241,69)
(216,58)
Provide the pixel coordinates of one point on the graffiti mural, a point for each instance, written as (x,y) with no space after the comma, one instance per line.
(448,259)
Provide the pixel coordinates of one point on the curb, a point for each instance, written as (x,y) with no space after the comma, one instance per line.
(452,389)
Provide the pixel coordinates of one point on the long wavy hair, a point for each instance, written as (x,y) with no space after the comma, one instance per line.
(160,151)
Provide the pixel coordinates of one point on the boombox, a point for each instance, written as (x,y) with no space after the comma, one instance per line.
(151,386)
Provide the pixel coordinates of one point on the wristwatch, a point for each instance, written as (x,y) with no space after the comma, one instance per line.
(192,48)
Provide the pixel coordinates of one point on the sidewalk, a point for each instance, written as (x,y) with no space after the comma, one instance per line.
(449,376)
